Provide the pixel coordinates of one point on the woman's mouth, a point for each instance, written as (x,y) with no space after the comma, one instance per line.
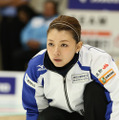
(57,60)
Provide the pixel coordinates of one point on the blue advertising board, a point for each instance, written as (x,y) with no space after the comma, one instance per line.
(94,4)
(7,85)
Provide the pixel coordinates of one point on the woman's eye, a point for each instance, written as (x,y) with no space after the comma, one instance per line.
(50,44)
(64,45)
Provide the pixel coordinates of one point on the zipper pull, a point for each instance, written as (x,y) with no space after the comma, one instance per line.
(64,79)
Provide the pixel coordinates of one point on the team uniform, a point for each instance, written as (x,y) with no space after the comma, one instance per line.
(43,87)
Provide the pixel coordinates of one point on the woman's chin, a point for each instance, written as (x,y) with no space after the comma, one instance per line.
(58,65)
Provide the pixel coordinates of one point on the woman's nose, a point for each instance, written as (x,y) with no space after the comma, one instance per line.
(57,51)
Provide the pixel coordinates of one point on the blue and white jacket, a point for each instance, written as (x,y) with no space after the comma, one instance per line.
(43,87)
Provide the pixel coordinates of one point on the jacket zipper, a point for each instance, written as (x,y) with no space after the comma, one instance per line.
(65,91)
(66,94)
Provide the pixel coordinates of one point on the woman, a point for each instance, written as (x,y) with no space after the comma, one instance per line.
(70,81)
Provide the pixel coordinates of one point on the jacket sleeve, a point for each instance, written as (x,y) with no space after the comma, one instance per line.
(28,94)
(105,72)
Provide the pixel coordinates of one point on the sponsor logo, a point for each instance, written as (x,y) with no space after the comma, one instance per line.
(107,76)
(105,1)
(7,85)
(29,82)
(105,66)
(94,4)
(83,1)
(80,78)
(101,70)
(41,67)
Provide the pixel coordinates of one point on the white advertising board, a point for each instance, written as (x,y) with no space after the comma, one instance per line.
(99,28)
(11,93)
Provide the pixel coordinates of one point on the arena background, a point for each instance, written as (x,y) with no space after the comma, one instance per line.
(100,28)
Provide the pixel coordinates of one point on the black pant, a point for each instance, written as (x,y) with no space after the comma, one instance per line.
(94,105)
(53,113)
(95,102)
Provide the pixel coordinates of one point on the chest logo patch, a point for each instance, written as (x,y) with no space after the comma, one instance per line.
(80,77)
(107,76)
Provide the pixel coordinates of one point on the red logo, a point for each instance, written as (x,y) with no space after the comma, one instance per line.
(105,66)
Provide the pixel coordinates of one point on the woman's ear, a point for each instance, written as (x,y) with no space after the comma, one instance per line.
(79,46)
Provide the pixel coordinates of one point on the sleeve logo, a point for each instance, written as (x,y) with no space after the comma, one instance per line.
(107,76)
(30,82)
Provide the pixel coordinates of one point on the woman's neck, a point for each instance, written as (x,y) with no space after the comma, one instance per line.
(61,70)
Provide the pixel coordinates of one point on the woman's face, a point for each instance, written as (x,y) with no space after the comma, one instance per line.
(61,47)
